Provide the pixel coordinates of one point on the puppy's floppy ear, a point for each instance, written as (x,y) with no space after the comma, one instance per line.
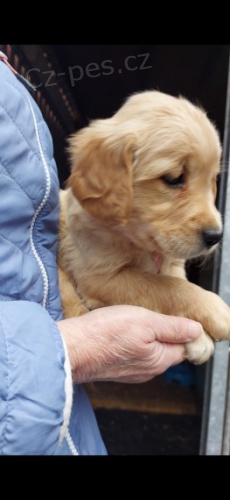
(101,177)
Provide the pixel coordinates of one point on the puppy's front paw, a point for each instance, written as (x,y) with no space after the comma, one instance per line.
(216,317)
(200,350)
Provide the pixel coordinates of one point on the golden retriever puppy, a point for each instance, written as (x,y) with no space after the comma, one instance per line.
(140,201)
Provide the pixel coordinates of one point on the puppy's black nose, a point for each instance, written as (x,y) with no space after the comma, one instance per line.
(211,237)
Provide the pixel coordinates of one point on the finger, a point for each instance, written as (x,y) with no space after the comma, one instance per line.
(176,330)
(172,354)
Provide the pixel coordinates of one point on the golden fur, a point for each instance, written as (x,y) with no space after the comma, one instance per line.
(125,233)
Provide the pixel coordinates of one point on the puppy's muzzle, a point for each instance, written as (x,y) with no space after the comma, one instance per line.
(211,237)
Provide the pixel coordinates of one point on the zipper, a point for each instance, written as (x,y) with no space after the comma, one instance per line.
(39,209)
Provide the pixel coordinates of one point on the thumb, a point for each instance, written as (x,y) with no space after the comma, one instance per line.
(176,330)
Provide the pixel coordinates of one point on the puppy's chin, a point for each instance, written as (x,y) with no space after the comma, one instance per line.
(178,249)
(176,246)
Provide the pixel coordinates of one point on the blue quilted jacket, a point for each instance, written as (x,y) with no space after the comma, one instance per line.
(40,412)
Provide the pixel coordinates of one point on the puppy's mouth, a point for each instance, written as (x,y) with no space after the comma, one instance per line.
(182,244)
(203,244)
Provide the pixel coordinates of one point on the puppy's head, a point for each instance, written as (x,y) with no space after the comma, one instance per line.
(150,171)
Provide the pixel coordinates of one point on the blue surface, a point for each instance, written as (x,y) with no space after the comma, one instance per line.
(184,373)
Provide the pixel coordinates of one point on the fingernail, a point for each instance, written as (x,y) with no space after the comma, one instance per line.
(194,329)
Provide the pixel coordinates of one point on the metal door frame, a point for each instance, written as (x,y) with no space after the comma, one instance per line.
(215,429)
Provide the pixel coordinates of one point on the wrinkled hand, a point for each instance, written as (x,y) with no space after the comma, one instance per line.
(125,343)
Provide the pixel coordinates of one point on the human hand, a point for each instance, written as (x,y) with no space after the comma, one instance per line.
(125,343)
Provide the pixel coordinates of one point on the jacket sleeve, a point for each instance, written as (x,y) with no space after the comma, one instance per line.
(35,381)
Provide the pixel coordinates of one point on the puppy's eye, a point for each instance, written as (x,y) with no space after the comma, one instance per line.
(174,181)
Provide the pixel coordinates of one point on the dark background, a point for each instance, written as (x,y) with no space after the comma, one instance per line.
(198,72)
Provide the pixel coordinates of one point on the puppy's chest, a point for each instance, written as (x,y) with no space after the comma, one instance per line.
(150,262)
(157,263)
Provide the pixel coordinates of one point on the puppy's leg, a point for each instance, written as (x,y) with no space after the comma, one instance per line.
(200,350)
(171,296)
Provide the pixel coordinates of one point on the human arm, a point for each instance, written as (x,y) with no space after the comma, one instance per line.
(125,343)
(122,343)
(35,381)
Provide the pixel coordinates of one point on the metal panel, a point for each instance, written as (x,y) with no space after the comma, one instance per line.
(215,433)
